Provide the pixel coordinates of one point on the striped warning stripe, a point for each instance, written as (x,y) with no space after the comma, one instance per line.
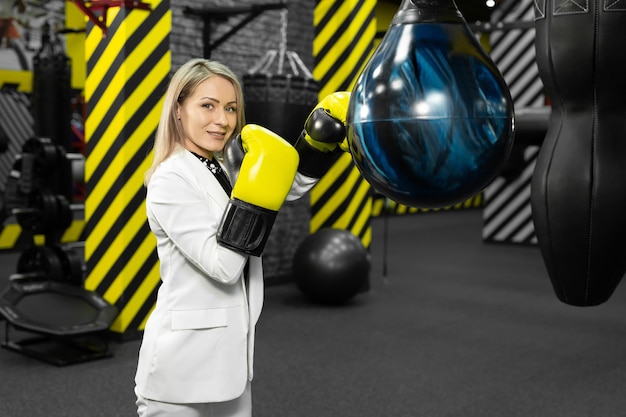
(21,80)
(344,40)
(13,238)
(383,206)
(507,213)
(127,74)
(513,51)
(16,122)
(341,199)
(507,217)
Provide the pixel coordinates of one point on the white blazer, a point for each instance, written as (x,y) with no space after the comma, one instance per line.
(198,343)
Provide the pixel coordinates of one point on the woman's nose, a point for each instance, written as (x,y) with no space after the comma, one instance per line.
(220,117)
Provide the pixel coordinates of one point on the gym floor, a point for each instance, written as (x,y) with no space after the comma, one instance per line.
(455,328)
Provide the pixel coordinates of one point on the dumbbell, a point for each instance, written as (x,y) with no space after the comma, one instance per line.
(42,164)
(44,213)
(49,263)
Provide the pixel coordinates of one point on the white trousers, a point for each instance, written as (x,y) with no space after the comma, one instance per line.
(239,407)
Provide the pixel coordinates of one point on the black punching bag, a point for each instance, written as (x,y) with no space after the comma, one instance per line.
(280,91)
(51,102)
(281,102)
(578,193)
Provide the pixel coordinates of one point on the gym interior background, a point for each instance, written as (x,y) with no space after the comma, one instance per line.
(455,317)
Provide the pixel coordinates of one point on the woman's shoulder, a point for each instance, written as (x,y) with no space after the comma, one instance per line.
(175,166)
(175,161)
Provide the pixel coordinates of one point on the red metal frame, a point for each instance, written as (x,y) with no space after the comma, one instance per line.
(88,8)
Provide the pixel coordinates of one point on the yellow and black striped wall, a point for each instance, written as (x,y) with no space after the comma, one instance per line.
(345,33)
(127,70)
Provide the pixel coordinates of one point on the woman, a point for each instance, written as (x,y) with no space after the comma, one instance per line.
(197,349)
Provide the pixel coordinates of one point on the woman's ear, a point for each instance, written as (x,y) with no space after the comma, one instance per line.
(178,111)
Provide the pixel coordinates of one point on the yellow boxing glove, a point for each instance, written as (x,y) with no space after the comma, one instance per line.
(263,182)
(324,135)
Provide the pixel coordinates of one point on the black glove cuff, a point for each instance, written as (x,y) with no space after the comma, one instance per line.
(313,162)
(245,227)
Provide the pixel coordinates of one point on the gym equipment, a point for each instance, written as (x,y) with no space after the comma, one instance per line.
(97,12)
(578,195)
(38,189)
(52,84)
(320,143)
(41,167)
(263,182)
(65,319)
(280,102)
(430,121)
(45,298)
(280,90)
(38,263)
(55,263)
(531,125)
(331,266)
(45,214)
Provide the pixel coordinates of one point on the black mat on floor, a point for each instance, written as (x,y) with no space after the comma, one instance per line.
(457,328)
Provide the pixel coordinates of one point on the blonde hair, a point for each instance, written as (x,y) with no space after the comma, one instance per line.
(169,135)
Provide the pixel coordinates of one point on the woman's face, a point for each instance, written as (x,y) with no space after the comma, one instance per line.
(209,116)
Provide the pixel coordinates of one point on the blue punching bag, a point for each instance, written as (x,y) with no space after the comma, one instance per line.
(430,120)
(578,194)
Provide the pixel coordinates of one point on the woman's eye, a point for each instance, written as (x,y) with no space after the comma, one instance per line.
(231,109)
(207,105)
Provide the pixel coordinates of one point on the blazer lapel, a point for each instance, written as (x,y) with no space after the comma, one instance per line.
(206,179)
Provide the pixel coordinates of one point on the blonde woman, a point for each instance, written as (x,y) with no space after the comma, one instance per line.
(196,356)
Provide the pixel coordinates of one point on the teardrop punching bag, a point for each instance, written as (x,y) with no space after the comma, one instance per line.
(578,194)
(430,120)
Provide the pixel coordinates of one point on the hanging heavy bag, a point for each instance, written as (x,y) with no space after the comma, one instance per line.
(578,195)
